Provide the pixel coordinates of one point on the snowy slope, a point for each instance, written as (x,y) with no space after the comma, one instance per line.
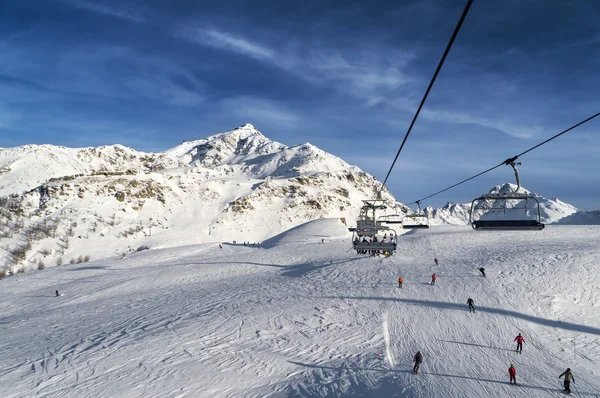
(305,319)
(581,218)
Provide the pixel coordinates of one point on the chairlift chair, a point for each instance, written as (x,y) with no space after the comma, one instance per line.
(416,220)
(497,203)
(395,218)
(368,225)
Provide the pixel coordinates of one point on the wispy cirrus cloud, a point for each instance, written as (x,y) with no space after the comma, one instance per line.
(260,109)
(510,129)
(228,42)
(103,9)
(111,71)
(374,76)
(367,75)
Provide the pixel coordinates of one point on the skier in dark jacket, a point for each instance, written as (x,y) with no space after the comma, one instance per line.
(471,304)
(418,359)
(482,270)
(57,295)
(568,377)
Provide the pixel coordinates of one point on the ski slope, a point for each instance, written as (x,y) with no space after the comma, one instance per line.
(301,318)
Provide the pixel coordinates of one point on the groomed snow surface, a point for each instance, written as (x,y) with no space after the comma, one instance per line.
(301,318)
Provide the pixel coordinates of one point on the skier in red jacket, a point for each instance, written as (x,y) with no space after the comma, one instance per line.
(433,278)
(519,339)
(512,372)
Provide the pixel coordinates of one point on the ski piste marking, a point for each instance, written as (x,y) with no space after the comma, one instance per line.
(387,339)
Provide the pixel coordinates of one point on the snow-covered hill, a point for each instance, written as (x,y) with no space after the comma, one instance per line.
(101,202)
(310,319)
(581,217)
(551,210)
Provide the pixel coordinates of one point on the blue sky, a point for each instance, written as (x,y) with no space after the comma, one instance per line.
(345,76)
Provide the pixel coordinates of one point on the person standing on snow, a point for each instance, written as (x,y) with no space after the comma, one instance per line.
(418,359)
(436,261)
(471,304)
(57,295)
(512,372)
(220,246)
(400,280)
(568,377)
(482,270)
(433,278)
(519,339)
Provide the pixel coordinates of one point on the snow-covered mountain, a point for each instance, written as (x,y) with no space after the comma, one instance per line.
(61,204)
(551,210)
(243,152)
(235,186)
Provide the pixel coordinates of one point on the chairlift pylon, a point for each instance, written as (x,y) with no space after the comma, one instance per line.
(499,201)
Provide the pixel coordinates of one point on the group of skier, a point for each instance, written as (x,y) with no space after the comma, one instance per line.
(568,377)
(376,251)
(512,372)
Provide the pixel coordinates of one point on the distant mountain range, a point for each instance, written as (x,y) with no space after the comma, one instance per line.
(61,204)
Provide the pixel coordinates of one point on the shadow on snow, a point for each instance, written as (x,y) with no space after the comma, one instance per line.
(497,311)
(389,386)
(477,345)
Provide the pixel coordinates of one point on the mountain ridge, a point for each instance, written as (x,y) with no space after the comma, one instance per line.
(59,204)
(233,186)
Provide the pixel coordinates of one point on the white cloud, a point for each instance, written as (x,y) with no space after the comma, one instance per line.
(227,41)
(237,44)
(127,14)
(457,117)
(363,74)
(259,110)
(368,75)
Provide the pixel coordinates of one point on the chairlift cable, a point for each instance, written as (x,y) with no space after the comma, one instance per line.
(509,160)
(559,134)
(437,71)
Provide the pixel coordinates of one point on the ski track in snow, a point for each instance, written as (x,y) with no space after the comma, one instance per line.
(306,319)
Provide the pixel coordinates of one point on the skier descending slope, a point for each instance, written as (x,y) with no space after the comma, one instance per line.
(568,377)
(418,359)
(433,279)
(471,304)
(512,373)
(519,339)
